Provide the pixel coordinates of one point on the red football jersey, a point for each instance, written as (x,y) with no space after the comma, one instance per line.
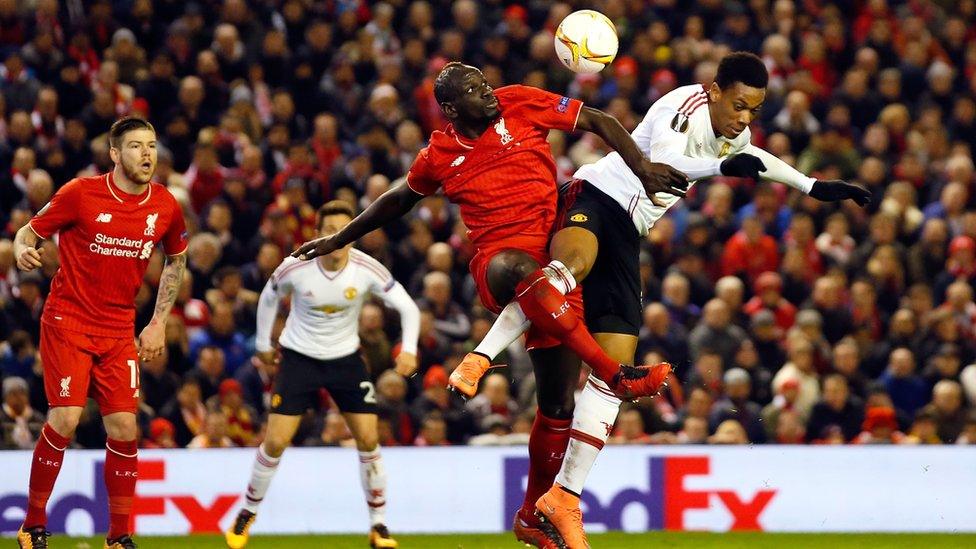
(504,181)
(106,238)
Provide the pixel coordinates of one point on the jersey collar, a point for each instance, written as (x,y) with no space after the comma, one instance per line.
(123,196)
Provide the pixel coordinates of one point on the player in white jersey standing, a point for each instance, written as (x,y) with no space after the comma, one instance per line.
(320,349)
(700,131)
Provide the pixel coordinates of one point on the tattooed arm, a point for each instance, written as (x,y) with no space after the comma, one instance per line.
(152,340)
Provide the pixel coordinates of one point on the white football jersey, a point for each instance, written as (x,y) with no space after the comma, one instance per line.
(677,131)
(325,306)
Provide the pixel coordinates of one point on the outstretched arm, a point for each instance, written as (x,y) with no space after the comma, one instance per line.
(656,177)
(152,340)
(823,190)
(390,205)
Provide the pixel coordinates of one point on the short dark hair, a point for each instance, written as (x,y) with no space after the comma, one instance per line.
(448,82)
(125,125)
(333,207)
(742,66)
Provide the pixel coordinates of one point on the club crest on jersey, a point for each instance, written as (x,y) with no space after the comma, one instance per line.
(502,132)
(679,123)
(350,293)
(579,218)
(151,224)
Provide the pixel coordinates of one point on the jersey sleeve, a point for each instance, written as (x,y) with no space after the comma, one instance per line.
(380,279)
(61,212)
(543,109)
(666,143)
(421,178)
(175,240)
(280,281)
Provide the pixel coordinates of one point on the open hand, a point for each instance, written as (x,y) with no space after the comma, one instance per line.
(834,190)
(315,248)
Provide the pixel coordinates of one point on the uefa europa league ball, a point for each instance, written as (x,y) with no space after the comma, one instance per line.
(586,41)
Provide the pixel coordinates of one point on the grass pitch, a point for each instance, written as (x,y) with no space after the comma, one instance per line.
(615,540)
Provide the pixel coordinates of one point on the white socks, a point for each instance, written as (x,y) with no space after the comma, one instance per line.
(593,419)
(512,322)
(264,469)
(373,476)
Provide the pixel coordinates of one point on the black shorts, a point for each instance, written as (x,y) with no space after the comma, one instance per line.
(296,387)
(612,289)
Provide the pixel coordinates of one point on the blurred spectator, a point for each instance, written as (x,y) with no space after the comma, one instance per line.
(879,427)
(449,317)
(20,425)
(221,334)
(908,390)
(837,408)
(629,429)
(391,394)
(157,384)
(694,430)
(736,405)
(716,331)
(750,252)
(494,399)
(729,432)
(800,368)
(161,435)
(946,410)
(433,431)
(214,434)
(924,430)
(242,420)
(186,412)
(767,294)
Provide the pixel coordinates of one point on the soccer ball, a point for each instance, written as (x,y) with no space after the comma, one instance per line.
(586,41)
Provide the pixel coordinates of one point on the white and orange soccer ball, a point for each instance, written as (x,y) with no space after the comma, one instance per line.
(586,41)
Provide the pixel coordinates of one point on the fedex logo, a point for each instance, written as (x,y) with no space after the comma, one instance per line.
(200,517)
(666,498)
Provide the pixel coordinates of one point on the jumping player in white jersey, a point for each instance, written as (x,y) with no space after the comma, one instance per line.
(320,348)
(700,131)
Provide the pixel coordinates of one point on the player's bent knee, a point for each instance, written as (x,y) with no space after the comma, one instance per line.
(505,270)
(367,443)
(274,447)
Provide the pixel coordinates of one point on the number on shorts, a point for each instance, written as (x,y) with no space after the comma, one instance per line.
(132,373)
(370,397)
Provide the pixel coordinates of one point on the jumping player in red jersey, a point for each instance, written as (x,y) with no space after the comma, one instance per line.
(493,160)
(109,225)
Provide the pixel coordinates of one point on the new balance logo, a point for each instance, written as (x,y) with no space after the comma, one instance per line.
(65,390)
(104,218)
(457,161)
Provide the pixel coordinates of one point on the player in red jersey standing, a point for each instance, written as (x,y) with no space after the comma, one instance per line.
(493,160)
(109,225)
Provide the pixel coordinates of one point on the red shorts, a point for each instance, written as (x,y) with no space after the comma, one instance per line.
(534,338)
(78,365)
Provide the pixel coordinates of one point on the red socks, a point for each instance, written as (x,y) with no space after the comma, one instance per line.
(48,455)
(549,311)
(121,468)
(547,445)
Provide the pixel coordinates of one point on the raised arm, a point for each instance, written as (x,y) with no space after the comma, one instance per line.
(391,205)
(656,177)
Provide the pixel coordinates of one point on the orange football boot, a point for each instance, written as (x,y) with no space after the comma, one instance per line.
(633,382)
(562,509)
(464,379)
(542,535)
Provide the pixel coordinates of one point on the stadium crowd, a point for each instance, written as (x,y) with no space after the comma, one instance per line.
(789,320)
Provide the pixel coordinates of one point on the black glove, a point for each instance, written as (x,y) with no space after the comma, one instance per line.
(834,190)
(742,165)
